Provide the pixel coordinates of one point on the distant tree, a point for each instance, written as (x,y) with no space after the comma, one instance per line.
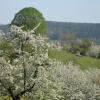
(81,47)
(84,46)
(29,18)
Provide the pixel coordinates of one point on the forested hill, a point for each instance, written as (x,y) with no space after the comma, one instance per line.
(81,30)
(4,28)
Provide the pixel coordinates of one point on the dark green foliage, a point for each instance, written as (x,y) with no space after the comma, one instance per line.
(99,56)
(8,50)
(81,47)
(84,46)
(30,18)
(6,46)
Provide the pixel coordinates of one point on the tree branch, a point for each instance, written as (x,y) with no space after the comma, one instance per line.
(33,30)
(9,89)
(31,87)
(36,26)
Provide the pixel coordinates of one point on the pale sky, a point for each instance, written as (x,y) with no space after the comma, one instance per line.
(54,10)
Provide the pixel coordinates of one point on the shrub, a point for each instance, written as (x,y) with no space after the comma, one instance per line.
(76,84)
(94,51)
(81,47)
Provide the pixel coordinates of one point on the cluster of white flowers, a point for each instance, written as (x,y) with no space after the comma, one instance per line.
(25,71)
(28,71)
(94,51)
(54,44)
(76,84)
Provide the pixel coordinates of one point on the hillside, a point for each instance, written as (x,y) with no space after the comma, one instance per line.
(80,30)
(4,28)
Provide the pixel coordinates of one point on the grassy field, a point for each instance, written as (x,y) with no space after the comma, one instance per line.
(64,56)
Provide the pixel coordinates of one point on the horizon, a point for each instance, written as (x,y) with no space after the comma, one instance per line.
(61,22)
(79,11)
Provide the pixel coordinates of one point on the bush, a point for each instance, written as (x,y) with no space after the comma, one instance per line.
(76,84)
(81,47)
(94,51)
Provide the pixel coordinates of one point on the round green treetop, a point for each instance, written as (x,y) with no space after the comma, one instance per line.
(30,18)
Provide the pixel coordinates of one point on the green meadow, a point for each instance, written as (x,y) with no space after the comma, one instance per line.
(84,62)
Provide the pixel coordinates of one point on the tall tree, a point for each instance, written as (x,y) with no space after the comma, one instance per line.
(29,18)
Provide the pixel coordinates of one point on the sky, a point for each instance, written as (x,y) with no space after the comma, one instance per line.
(54,10)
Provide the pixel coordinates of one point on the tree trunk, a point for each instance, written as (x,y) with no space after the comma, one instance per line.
(16,98)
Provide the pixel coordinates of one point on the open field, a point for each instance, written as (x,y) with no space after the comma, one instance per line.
(64,56)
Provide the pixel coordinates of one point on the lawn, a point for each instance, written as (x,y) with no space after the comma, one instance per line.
(64,56)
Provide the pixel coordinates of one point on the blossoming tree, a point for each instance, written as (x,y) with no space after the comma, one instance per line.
(24,65)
